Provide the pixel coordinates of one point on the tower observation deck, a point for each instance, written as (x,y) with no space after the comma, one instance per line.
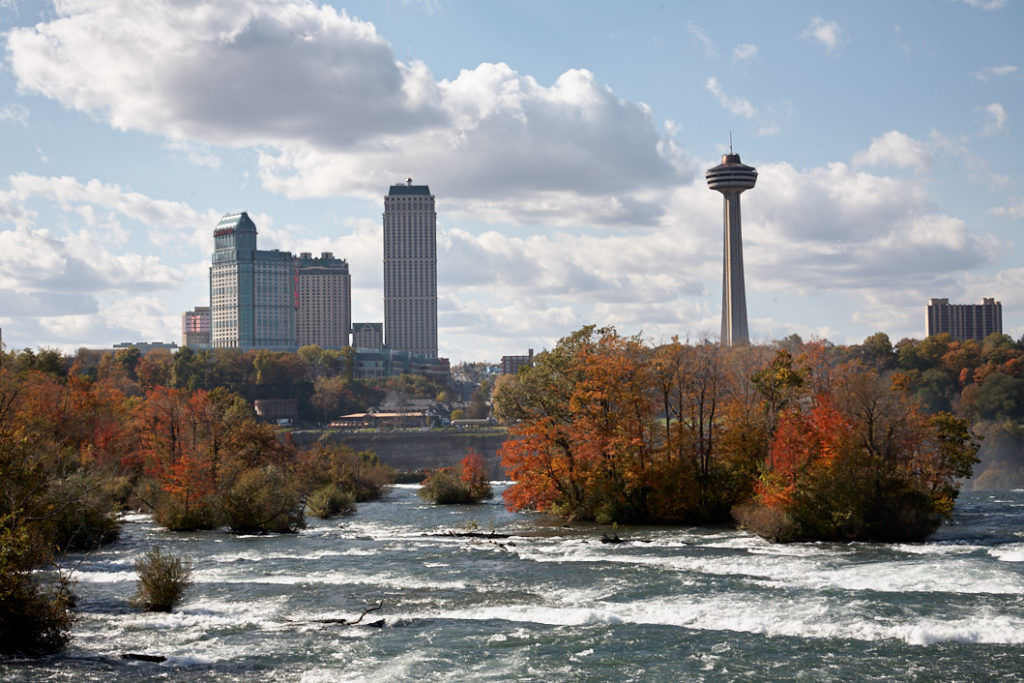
(731,177)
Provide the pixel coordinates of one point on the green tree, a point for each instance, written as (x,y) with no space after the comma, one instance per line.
(876,351)
(479,407)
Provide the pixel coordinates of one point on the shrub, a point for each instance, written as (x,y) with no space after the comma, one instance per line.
(359,474)
(162,580)
(454,486)
(767,522)
(262,499)
(329,501)
(444,487)
(174,515)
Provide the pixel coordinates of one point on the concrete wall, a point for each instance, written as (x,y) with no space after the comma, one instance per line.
(411,451)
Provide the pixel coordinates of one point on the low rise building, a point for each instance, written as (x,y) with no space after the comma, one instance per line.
(369,336)
(510,364)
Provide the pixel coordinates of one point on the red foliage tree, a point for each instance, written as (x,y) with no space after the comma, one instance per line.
(473,474)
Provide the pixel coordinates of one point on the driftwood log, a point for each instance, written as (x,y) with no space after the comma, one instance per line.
(472,534)
(138,657)
(345,622)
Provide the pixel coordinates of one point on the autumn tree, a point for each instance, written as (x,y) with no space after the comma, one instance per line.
(464,484)
(862,463)
(540,455)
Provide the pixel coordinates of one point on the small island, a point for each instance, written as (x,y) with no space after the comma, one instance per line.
(805,447)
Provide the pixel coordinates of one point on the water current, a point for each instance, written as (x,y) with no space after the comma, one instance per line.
(554,603)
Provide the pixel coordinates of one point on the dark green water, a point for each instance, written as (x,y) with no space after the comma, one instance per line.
(555,603)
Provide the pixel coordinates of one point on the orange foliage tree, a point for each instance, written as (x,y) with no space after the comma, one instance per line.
(607,428)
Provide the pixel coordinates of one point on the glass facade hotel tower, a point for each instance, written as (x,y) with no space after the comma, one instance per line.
(252,293)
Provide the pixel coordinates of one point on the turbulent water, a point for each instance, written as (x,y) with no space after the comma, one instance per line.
(554,603)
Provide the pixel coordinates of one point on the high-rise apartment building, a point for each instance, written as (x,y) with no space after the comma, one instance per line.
(410,270)
(252,293)
(324,296)
(964,321)
(368,336)
(195,328)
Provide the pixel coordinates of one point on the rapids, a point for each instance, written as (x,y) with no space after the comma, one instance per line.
(554,603)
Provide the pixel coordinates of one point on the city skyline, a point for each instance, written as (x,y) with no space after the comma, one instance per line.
(565,143)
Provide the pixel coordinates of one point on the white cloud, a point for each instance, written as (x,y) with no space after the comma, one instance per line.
(735,105)
(1014,210)
(197,154)
(99,270)
(703,39)
(744,51)
(978,168)
(331,109)
(995,71)
(985,4)
(166,222)
(234,72)
(895,149)
(995,118)
(827,33)
(14,112)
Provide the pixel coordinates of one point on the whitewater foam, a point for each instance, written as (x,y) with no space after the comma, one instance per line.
(1008,552)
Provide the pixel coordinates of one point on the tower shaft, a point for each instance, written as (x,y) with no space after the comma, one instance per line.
(734,296)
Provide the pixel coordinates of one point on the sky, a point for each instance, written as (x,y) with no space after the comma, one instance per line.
(566,143)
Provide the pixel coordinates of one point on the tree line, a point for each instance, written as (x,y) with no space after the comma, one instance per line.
(322,381)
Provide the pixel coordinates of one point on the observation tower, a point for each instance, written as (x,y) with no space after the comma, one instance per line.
(731,177)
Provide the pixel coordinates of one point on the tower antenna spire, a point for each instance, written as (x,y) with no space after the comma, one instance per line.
(730,141)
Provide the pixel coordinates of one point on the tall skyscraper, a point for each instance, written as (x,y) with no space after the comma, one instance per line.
(324,296)
(410,270)
(731,177)
(252,293)
(964,321)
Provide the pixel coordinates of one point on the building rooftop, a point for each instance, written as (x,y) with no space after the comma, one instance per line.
(231,222)
(407,189)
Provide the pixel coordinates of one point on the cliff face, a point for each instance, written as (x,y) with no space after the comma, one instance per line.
(411,451)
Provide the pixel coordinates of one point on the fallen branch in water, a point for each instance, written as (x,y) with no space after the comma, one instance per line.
(346,622)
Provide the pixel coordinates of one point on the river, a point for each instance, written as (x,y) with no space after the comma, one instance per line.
(554,603)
